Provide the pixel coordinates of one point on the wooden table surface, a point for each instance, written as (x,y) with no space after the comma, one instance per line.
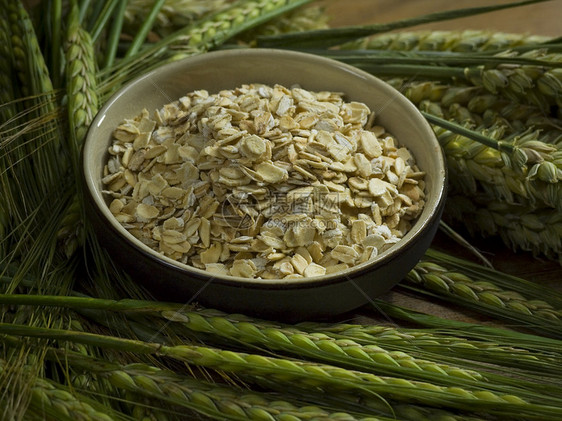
(537,19)
(543,18)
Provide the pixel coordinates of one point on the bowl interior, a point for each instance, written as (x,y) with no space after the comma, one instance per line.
(228,69)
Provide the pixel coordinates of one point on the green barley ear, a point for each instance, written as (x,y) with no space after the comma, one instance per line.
(305,374)
(198,37)
(205,398)
(49,399)
(82,105)
(82,100)
(538,231)
(336,36)
(483,289)
(301,19)
(459,41)
(537,85)
(174,15)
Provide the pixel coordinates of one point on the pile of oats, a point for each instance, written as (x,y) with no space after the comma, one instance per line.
(263,182)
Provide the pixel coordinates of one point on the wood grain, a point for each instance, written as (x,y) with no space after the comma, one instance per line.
(538,19)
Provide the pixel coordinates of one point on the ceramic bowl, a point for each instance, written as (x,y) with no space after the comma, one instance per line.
(293,299)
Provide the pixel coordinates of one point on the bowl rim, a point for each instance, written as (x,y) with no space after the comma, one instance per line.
(405,243)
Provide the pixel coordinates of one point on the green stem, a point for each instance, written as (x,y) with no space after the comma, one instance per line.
(288,340)
(430,58)
(144,29)
(73,302)
(471,134)
(331,37)
(206,33)
(504,280)
(303,374)
(84,6)
(115,33)
(94,15)
(460,328)
(56,18)
(103,18)
(102,341)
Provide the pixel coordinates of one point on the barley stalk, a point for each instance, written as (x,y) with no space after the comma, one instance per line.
(56,401)
(436,346)
(82,105)
(304,374)
(80,79)
(337,36)
(187,392)
(29,62)
(174,14)
(524,150)
(199,37)
(463,102)
(319,346)
(354,356)
(537,85)
(298,20)
(486,296)
(504,175)
(540,343)
(215,400)
(465,41)
(37,88)
(538,231)
(478,170)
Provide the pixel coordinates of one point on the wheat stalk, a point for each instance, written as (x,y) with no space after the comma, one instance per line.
(218,401)
(173,14)
(538,231)
(82,105)
(465,41)
(198,37)
(80,79)
(337,36)
(298,20)
(484,295)
(303,374)
(319,345)
(37,89)
(537,85)
(435,346)
(52,400)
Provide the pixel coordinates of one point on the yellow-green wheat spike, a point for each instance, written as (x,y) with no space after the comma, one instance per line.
(304,375)
(174,14)
(530,174)
(215,400)
(82,105)
(51,400)
(458,41)
(321,347)
(198,37)
(538,231)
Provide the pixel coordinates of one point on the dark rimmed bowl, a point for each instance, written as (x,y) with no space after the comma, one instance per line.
(293,299)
